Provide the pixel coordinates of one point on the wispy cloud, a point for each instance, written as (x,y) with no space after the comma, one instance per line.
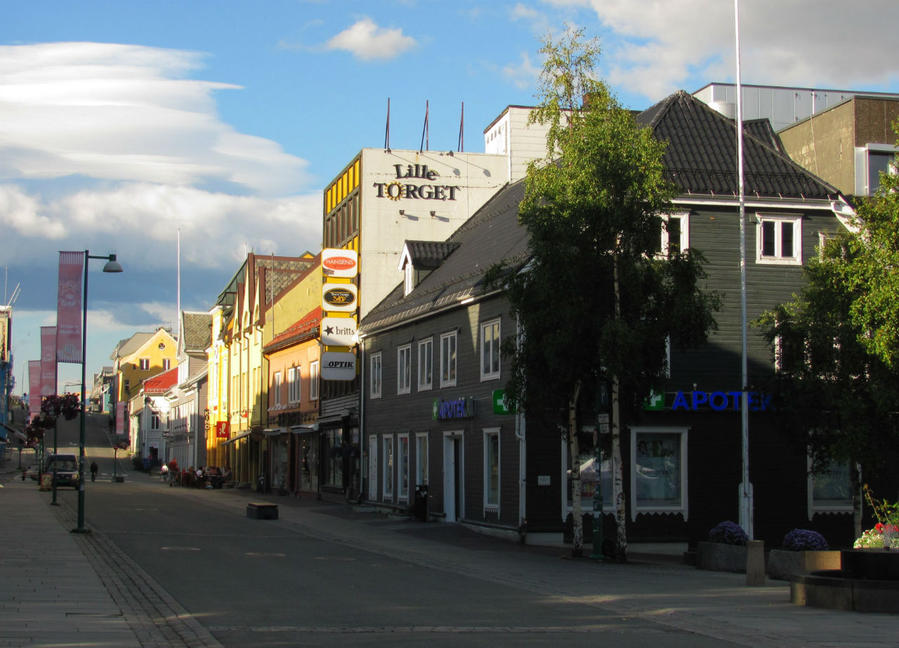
(365,40)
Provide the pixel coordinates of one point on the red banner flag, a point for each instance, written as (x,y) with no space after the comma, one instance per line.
(68,307)
(34,388)
(48,361)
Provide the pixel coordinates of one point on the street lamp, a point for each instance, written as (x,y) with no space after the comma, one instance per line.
(111,266)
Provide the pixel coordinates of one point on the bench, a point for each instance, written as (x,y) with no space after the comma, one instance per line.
(262,511)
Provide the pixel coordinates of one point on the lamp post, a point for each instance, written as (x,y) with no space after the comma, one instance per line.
(111,266)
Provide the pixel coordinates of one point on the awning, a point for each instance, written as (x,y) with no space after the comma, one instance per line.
(238,437)
(269,432)
(304,429)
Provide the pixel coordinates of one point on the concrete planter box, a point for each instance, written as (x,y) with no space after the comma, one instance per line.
(717,556)
(784,565)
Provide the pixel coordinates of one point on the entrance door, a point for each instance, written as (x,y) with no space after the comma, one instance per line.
(453,477)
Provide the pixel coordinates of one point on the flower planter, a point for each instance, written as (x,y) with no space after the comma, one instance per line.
(717,556)
(784,565)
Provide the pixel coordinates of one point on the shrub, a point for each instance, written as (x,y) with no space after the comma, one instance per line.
(728,533)
(804,540)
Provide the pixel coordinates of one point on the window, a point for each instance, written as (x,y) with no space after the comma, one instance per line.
(490,350)
(166,364)
(404,466)
(144,364)
(372,467)
(491,469)
(675,235)
(154,421)
(659,470)
(408,278)
(276,387)
(448,359)
(387,483)
(588,473)
(313,380)
(293,385)
(333,447)
(426,364)
(421,458)
(375,375)
(779,240)
(829,490)
(404,369)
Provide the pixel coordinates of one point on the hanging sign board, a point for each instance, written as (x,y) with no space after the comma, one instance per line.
(340,263)
(338,331)
(338,365)
(339,298)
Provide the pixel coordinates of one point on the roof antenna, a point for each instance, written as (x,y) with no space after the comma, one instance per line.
(387,130)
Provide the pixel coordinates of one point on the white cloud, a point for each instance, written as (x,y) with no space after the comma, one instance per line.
(523,74)
(367,41)
(122,112)
(654,47)
(19,213)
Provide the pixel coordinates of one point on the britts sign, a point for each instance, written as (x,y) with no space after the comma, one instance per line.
(413,182)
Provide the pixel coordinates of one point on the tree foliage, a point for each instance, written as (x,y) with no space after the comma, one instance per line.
(597,301)
(837,343)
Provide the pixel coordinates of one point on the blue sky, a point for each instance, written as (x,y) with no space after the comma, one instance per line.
(121,121)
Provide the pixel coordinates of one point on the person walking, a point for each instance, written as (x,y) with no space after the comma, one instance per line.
(94,469)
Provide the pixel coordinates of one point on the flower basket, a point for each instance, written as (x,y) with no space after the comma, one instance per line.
(718,556)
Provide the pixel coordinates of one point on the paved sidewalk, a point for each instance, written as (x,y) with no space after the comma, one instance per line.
(50,595)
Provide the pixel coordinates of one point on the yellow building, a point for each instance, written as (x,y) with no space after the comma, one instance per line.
(139,357)
(238,392)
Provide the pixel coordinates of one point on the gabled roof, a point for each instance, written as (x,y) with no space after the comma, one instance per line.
(130,345)
(701,157)
(161,382)
(491,235)
(426,255)
(196,331)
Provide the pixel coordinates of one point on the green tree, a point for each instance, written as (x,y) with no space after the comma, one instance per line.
(597,302)
(837,345)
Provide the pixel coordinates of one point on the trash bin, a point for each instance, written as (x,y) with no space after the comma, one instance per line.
(420,507)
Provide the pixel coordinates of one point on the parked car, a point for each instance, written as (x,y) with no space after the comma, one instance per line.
(66,467)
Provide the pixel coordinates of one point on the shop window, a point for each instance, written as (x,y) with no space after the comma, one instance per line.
(334,458)
(404,369)
(658,470)
(375,375)
(448,359)
(587,464)
(490,351)
(387,467)
(373,467)
(421,458)
(829,489)
(425,364)
(403,452)
(779,240)
(491,469)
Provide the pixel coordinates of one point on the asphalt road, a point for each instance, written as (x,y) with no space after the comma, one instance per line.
(293,582)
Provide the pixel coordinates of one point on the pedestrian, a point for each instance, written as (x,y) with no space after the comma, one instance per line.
(164,472)
(94,469)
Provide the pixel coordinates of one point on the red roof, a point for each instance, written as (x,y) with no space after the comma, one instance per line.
(161,383)
(297,330)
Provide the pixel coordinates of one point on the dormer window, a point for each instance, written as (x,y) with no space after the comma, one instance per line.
(408,279)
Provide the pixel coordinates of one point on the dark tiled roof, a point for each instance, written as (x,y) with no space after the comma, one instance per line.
(491,235)
(429,254)
(197,331)
(702,154)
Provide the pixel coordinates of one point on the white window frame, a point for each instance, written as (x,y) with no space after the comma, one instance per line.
(682,508)
(493,507)
(403,474)
(276,387)
(387,467)
(449,371)
(408,278)
(778,258)
(422,472)
(684,238)
(404,369)
(374,380)
(426,364)
(313,380)
(821,508)
(144,364)
(487,348)
(293,385)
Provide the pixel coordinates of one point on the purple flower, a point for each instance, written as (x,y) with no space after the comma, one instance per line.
(728,533)
(804,540)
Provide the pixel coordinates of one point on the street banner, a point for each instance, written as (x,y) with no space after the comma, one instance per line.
(34,388)
(68,307)
(5,313)
(120,418)
(48,361)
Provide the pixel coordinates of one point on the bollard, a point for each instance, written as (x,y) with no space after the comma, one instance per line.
(755,563)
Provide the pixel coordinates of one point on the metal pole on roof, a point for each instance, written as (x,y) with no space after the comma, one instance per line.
(745,484)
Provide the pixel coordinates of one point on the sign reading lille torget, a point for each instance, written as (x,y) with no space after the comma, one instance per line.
(406,186)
